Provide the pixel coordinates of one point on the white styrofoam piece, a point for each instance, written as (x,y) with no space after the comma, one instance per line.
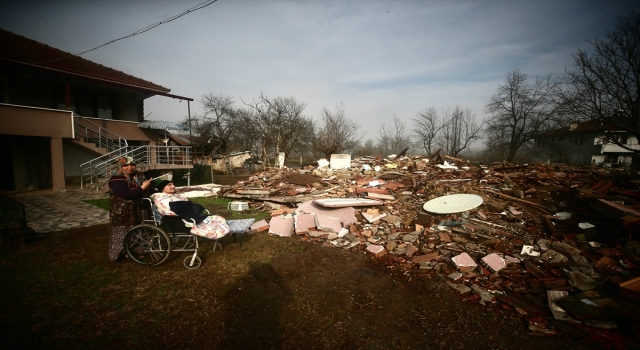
(340,161)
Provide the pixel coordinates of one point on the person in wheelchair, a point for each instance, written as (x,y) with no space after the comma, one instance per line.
(178,212)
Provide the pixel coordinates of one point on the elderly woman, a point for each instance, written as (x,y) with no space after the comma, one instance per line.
(171,204)
(126,187)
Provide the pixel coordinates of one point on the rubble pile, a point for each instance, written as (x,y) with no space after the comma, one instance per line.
(554,244)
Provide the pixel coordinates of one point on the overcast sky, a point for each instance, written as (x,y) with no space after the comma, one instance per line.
(379,58)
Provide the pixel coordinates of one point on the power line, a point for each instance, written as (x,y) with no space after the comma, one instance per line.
(140,31)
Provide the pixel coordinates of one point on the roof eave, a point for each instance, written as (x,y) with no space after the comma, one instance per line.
(103,81)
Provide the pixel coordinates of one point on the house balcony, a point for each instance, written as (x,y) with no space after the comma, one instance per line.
(37,122)
(46,147)
(613,148)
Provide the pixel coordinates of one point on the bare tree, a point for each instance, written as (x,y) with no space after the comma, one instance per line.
(394,138)
(217,123)
(521,109)
(336,133)
(427,126)
(604,84)
(459,131)
(247,133)
(368,148)
(279,124)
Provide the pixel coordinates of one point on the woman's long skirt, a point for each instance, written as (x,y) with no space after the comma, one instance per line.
(116,241)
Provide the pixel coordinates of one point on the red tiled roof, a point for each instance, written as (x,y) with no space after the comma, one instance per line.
(16,48)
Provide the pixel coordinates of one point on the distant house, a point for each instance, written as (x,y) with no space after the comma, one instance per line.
(62,116)
(585,143)
(226,163)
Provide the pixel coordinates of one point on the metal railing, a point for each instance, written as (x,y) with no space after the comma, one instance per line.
(90,132)
(96,172)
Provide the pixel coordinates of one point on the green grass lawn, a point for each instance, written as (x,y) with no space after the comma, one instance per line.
(102,203)
(216,206)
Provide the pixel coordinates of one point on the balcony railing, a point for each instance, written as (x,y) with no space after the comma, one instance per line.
(90,132)
(612,147)
(95,173)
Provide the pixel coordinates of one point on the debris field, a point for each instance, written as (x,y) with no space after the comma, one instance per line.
(556,245)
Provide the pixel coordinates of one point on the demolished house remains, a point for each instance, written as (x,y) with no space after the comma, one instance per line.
(553,244)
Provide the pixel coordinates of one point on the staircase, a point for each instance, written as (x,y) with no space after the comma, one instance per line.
(110,147)
(95,138)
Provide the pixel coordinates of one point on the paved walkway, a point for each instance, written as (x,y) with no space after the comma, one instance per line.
(50,212)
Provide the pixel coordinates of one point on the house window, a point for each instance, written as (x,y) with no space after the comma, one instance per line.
(105,107)
(86,104)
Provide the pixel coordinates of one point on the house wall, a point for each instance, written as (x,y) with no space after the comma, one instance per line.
(128,130)
(582,149)
(18,120)
(73,157)
(575,149)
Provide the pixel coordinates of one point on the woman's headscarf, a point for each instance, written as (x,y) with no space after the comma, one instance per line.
(136,177)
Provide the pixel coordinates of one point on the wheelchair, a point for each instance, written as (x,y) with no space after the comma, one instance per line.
(151,242)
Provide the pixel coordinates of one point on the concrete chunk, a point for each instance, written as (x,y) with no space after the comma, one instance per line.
(410,237)
(494,262)
(304,222)
(464,262)
(460,288)
(346,216)
(425,258)
(411,249)
(373,215)
(483,293)
(551,256)
(376,250)
(582,281)
(328,224)
(281,226)
(260,226)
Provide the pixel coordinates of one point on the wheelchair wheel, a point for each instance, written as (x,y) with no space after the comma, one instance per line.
(216,247)
(147,245)
(196,262)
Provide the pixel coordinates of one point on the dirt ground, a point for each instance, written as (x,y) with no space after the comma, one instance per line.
(260,292)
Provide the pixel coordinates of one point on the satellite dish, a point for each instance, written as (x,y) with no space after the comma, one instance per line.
(454,203)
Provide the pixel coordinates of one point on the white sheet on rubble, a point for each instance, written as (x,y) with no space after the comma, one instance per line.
(206,190)
(446,165)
